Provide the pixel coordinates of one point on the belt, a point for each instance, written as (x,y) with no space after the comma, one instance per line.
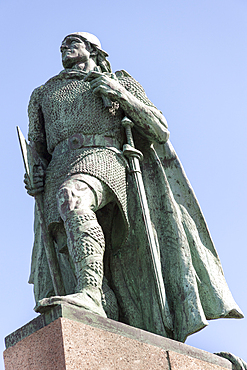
(78,141)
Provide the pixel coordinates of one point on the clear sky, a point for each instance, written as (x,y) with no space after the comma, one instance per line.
(191,58)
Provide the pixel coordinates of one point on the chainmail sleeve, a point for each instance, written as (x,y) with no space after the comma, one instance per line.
(134,87)
(155,132)
(36,130)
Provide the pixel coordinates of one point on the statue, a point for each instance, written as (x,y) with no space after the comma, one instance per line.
(93,215)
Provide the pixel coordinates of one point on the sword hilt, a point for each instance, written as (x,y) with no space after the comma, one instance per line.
(107,102)
(127,124)
(129,149)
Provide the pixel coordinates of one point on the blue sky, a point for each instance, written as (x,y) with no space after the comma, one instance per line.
(191,58)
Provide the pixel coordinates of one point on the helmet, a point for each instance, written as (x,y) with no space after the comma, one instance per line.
(85,36)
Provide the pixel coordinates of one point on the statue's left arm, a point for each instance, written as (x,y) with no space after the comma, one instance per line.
(146,117)
(37,139)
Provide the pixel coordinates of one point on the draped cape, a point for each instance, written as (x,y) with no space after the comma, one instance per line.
(196,289)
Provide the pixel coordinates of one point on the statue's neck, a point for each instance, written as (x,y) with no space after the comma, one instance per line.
(85,67)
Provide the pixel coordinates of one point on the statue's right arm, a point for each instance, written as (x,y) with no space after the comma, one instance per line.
(37,139)
(148,120)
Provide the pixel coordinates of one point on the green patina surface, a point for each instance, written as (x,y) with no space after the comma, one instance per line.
(87,196)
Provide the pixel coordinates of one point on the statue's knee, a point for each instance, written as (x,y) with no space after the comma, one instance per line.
(64,200)
(75,197)
(63,194)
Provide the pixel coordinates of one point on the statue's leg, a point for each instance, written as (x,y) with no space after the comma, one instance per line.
(77,204)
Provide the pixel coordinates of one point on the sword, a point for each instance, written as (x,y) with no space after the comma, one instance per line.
(30,157)
(134,157)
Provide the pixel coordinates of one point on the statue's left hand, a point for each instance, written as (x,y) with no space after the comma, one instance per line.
(38,181)
(105,84)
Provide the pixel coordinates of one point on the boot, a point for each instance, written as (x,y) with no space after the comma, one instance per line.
(86,245)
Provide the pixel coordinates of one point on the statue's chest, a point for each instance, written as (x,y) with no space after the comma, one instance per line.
(69,106)
(67,96)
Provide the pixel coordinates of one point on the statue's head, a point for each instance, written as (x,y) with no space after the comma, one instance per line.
(80,47)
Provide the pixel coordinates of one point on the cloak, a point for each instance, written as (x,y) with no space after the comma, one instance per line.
(196,289)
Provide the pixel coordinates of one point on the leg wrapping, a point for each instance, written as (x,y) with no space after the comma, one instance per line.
(86,246)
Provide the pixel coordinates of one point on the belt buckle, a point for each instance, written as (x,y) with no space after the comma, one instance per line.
(76,141)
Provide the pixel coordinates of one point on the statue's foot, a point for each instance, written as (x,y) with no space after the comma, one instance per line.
(88,300)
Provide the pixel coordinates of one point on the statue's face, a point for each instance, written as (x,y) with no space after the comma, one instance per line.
(74,51)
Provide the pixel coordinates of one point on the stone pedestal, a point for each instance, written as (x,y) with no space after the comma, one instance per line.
(70,338)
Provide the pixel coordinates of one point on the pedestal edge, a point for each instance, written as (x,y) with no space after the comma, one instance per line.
(80,315)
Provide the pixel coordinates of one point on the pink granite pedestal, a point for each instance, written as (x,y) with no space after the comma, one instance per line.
(69,338)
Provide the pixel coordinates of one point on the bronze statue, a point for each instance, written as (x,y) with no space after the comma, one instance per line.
(92,212)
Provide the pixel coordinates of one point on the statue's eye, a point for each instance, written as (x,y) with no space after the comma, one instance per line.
(76,41)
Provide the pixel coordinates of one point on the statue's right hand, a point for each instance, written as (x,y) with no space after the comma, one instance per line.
(38,181)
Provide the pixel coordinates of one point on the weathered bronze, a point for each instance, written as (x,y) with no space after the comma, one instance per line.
(92,212)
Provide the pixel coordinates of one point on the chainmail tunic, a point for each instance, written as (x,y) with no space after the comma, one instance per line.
(64,106)
(103,163)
